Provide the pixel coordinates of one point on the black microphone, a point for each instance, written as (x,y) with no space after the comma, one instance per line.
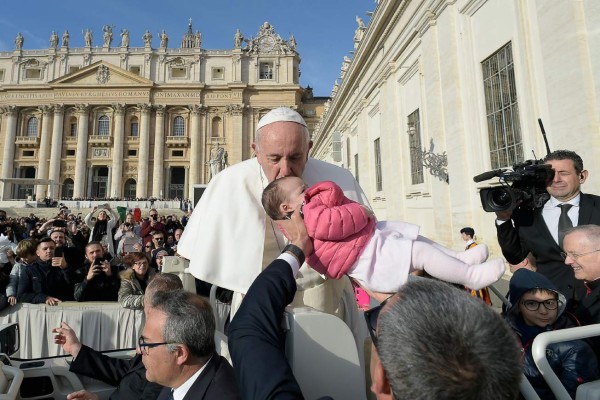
(488,175)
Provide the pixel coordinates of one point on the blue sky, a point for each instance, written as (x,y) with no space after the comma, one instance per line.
(323,28)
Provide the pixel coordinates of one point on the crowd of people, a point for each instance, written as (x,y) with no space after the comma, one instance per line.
(96,257)
(429,339)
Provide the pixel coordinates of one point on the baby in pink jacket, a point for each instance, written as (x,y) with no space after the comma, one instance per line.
(379,255)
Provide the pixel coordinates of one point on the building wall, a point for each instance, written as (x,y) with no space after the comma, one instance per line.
(219,94)
(428,56)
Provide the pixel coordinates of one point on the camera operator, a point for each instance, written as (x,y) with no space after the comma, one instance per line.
(101,282)
(540,231)
(150,225)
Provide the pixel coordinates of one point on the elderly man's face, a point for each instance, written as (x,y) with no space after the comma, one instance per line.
(582,256)
(283,150)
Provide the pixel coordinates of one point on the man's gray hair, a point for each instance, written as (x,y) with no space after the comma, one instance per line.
(591,232)
(437,342)
(190,321)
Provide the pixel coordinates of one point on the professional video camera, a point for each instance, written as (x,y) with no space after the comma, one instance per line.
(529,181)
(528,190)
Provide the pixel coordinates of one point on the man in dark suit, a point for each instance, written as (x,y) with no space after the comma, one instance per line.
(129,376)
(582,254)
(178,349)
(540,231)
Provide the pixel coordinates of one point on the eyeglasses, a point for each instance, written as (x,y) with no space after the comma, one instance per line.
(575,256)
(533,305)
(371,317)
(144,347)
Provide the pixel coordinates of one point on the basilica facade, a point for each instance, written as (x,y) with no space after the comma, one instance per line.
(435,92)
(112,121)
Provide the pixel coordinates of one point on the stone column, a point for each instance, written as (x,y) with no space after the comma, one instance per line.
(90,181)
(159,152)
(56,150)
(115,189)
(194,173)
(233,135)
(82,147)
(42,171)
(9,147)
(144,152)
(186,183)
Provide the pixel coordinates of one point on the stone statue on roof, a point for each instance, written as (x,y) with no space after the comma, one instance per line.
(19,40)
(53,40)
(238,39)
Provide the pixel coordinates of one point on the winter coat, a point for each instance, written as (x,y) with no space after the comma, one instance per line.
(40,280)
(340,229)
(131,294)
(574,362)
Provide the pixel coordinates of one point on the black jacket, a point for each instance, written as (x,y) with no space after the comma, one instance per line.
(531,234)
(100,288)
(40,280)
(215,382)
(129,376)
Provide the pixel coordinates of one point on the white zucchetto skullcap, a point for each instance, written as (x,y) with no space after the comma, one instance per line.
(281,114)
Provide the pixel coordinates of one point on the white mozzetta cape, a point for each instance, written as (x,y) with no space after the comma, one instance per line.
(224,238)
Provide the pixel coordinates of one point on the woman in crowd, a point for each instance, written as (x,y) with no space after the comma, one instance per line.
(134,280)
(103,227)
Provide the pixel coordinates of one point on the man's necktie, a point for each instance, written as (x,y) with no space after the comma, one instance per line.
(564,222)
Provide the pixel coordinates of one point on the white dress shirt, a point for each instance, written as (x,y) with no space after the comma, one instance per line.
(551,213)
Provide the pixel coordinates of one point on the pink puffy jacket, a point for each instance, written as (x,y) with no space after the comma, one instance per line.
(340,229)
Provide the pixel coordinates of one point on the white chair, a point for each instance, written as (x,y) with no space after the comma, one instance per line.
(587,391)
(10,382)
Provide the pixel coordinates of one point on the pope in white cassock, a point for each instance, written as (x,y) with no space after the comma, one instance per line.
(229,239)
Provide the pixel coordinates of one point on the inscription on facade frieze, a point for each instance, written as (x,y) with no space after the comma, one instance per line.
(25,96)
(172,95)
(108,93)
(213,96)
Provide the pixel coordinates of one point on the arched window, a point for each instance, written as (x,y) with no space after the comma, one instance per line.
(134,126)
(32,127)
(217,125)
(67,188)
(104,126)
(130,187)
(178,126)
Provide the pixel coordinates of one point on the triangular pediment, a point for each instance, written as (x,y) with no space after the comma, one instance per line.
(101,74)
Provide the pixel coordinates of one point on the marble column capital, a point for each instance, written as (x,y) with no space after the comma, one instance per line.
(145,108)
(82,108)
(160,110)
(9,110)
(46,109)
(197,109)
(119,109)
(58,108)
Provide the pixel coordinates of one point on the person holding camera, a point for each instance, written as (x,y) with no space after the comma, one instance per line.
(102,229)
(540,231)
(48,279)
(101,282)
(150,225)
(127,235)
